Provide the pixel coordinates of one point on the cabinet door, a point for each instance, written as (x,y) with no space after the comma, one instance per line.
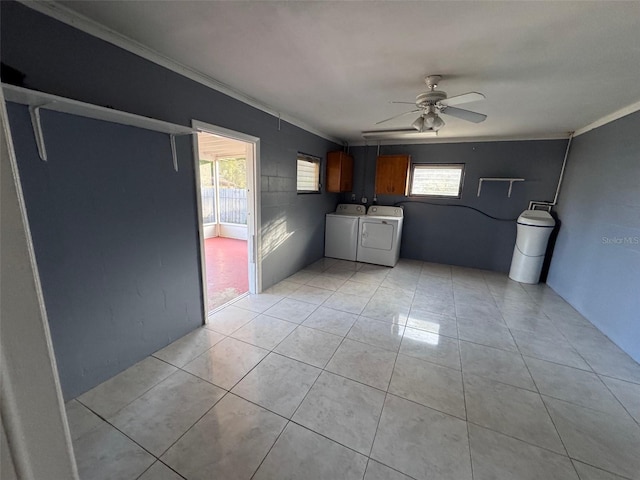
(339,172)
(392,174)
(346,174)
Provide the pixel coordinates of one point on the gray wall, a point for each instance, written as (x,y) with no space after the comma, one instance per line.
(596,263)
(461,236)
(61,60)
(113,231)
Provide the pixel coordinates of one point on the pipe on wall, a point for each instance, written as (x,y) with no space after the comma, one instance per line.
(534,203)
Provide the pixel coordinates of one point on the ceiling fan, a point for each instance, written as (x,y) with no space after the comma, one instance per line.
(431,104)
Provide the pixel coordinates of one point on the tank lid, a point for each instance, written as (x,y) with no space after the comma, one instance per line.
(537,218)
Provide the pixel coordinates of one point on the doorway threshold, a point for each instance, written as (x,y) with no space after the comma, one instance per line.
(225,305)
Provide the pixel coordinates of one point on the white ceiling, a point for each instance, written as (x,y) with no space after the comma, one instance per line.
(212,146)
(546,68)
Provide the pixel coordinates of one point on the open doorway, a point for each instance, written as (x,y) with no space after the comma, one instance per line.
(226,166)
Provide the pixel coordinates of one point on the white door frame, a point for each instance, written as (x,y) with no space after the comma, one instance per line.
(253,205)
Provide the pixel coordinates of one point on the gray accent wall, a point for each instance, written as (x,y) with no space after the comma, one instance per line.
(112,226)
(596,263)
(442,230)
(115,293)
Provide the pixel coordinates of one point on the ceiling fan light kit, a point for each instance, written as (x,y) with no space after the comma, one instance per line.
(431,104)
(419,124)
(428,122)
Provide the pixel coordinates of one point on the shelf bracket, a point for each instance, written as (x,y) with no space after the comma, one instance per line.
(496,179)
(36,124)
(174,154)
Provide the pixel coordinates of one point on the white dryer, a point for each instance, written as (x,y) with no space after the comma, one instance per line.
(341,231)
(379,236)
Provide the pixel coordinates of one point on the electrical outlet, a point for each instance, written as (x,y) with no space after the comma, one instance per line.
(353,197)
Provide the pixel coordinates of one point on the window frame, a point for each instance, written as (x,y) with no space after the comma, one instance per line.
(426,166)
(311,159)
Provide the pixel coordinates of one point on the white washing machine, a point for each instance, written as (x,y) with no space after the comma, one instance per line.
(341,231)
(379,236)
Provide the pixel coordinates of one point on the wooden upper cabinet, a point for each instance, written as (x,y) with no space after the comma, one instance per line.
(392,174)
(339,172)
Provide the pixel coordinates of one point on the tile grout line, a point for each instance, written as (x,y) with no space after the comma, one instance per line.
(272,350)
(157,457)
(162,463)
(616,397)
(270,448)
(228,392)
(136,398)
(521,355)
(545,404)
(546,408)
(386,393)
(569,366)
(194,423)
(464,396)
(289,420)
(316,380)
(323,369)
(527,442)
(375,434)
(559,330)
(575,460)
(570,401)
(494,295)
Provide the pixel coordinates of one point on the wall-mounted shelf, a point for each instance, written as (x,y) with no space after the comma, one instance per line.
(499,179)
(39,100)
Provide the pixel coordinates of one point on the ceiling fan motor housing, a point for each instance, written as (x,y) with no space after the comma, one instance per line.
(427,99)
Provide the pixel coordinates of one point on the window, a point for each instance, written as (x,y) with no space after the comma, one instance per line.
(308,174)
(437,180)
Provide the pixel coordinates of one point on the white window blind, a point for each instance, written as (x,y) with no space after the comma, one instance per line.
(437,180)
(308,174)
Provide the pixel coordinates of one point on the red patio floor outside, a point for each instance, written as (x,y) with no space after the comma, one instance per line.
(227,270)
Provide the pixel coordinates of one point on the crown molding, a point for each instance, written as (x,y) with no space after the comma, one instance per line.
(65,15)
(623,112)
(431,140)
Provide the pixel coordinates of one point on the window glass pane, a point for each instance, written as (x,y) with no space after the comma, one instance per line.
(437,180)
(207,191)
(308,174)
(232,185)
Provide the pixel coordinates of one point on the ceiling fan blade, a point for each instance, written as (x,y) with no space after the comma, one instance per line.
(405,103)
(398,116)
(464,98)
(467,115)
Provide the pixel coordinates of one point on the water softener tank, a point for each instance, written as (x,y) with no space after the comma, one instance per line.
(534,229)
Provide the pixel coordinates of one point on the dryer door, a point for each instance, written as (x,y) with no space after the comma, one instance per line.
(377,234)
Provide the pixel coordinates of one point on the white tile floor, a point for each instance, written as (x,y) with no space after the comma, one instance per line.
(353,371)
